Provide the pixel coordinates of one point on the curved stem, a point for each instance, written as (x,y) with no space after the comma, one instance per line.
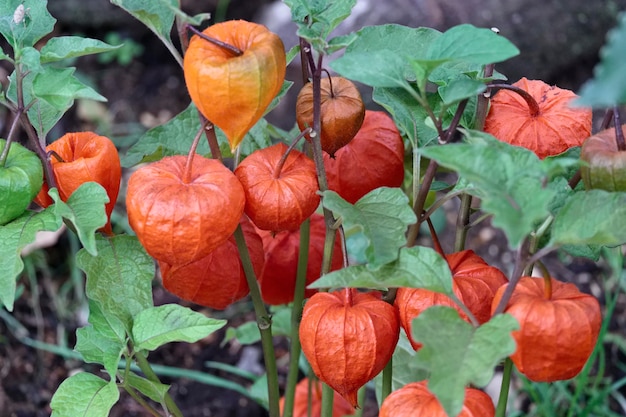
(327,400)
(7,145)
(465,310)
(547,286)
(264,322)
(435,238)
(283,159)
(296,315)
(520,261)
(533,107)
(225,46)
(192,152)
(504,388)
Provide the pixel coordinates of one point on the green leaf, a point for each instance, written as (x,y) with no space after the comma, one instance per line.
(458,354)
(248,333)
(474,45)
(608,86)
(594,217)
(52,101)
(382,215)
(62,47)
(157,326)
(86,395)
(95,347)
(153,390)
(460,89)
(107,325)
(119,278)
(508,179)
(401,41)
(175,138)
(157,15)
(85,210)
(407,114)
(14,236)
(416,267)
(377,69)
(317,18)
(34,22)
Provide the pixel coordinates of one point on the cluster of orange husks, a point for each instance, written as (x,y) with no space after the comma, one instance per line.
(185,213)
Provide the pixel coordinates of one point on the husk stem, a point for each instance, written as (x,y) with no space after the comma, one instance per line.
(264,322)
(296,315)
(225,46)
(292,145)
(7,145)
(387,380)
(533,107)
(547,282)
(186,179)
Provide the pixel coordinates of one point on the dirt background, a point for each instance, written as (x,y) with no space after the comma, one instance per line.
(560,42)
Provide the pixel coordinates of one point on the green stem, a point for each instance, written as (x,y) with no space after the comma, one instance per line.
(462,222)
(420,201)
(145,367)
(387,380)
(296,315)
(504,388)
(141,401)
(264,322)
(361,400)
(327,400)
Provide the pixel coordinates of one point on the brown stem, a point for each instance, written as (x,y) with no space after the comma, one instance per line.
(192,152)
(573,182)
(344,247)
(530,100)
(420,200)
(547,286)
(330,83)
(520,261)
(482,104)
(619,134)
(433,234)
(305,49)
(7,145)
(608,118)
(283,159)
(348,296)
(448,134)
(58,157)
(225,46)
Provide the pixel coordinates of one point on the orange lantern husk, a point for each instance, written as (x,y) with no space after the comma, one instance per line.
(341,407)
(348,337)
(555,128)
(559,327)
(83,157)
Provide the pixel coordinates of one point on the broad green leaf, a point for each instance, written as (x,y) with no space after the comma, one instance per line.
(382,68)
(508,179)
(31,60)
(409,116)
(474,45)
(153,390)
(460,89)
(51,101)
(403,41)
(175,138)
(340,42)
(157,15)
(317,18)
(85,210)
(416,267)
(608,86)
(84,395)
(156,326)
(14,236)
(119,279)
(108,326)
(458,354)
(594,217)
(382,215)
(62,47)
(24,22)
(248,333)
(96,347)
(405,369)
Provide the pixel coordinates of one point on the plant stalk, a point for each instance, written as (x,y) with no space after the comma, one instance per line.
(283,159)
(7,145)
(232,49)
(145,367)
(619,133)
(387,380)
(504,388)
(296,316)
(192,152)
(533,106)
(264,322)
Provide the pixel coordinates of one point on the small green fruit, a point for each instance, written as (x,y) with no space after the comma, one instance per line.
(21,178)
(606,165)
